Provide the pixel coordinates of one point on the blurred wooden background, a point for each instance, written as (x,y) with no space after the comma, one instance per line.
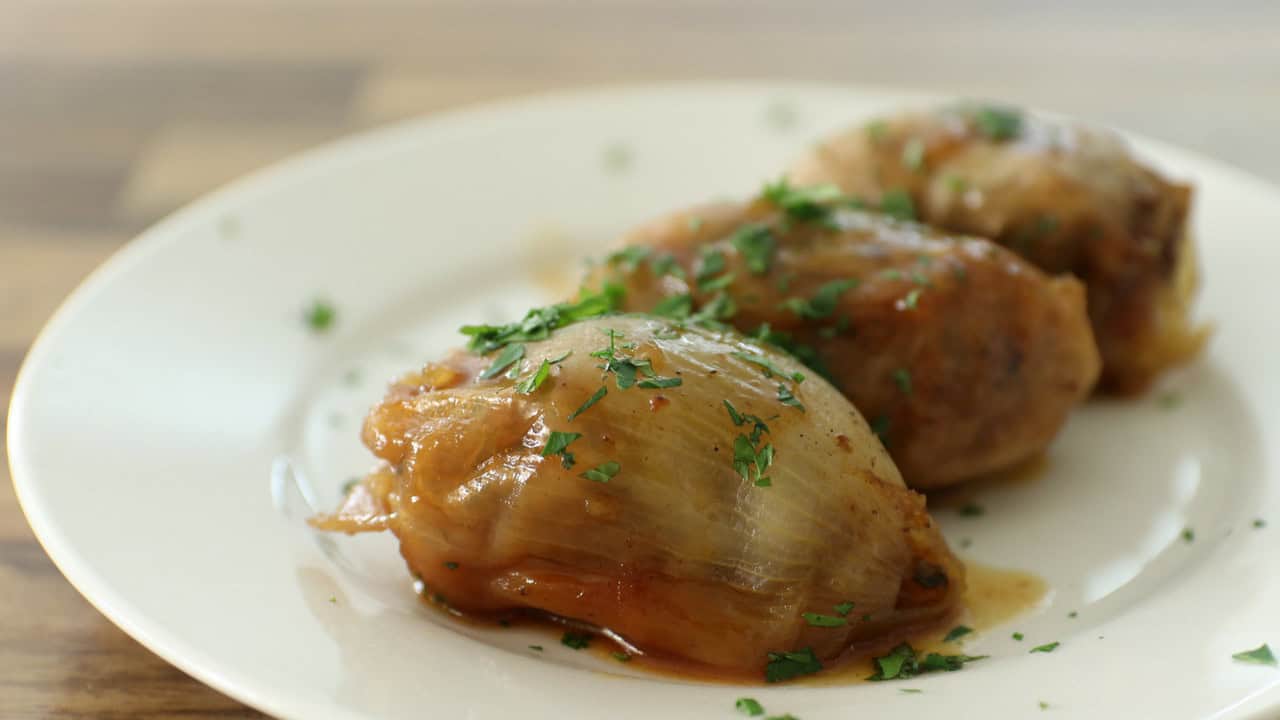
(115,113)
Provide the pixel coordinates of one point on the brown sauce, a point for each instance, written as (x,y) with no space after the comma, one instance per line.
(992,597)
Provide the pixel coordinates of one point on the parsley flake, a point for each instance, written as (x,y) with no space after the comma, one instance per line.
(1260,655)
(666,264)
(902,378)
(902,662)
(710,263)
(621,656)
(788,665)
(802,204)
(1259,523)
(910,691)
(1018,636)
(844,608)
(1188,535)
(909,302)
(957,632)
(558,444)
(824,299)
(770,369)
(972,509)
(786,397)
(534,381)
(539,322)
(1046,648)
(451,565)
(749,707)
(510,355)
(898,204)
(997,123)
(537,648)
(677,307)
(756,244)
(629,258)
(577,641)
(320,316)
(595,398)
(828,621)
(603,472)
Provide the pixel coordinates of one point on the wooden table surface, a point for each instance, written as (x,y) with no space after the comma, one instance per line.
(112,114)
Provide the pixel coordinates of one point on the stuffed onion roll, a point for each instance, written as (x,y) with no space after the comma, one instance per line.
(965,358)
(692,492)
(1067,198)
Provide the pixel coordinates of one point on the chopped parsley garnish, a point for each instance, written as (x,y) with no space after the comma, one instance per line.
(957,632)
(898,204)
(1259,523)
(756,244)
(1073,614)
(909,302)
(710,263)
(539,376)
(350,485)
(806,354)
(1188,535)
(829,621)
(577,641)
(752,463)
(558,444)
(625,368)
(910,691)
(1017,636)
(824,299)
(750,459)
(1260,655)
(1044,705)
(802,203)
(770,369)
(902,662)
(956,184)
(658,383)
(539,322)
(451,565)
(629,258)
(997,123)
(510,355)
(320,316)
(913,154)
(717,283)
(788,665)
(880,426)
(972,509)
(621,656)
(538,648)
(666,264)
(595,398)
(603,472)
(902,378)
(1046,648)
(677,307)
(749,707)
(786,397)
(844,608)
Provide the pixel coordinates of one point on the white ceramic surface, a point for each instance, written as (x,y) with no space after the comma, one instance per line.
(172,390)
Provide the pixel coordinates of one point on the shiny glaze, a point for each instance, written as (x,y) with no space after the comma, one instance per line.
(676,553)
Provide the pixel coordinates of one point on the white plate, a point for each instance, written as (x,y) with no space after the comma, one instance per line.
(150,413)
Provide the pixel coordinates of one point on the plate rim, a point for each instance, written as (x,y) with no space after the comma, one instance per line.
(191,660)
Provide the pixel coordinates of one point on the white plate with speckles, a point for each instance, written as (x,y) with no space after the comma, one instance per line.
(158,404)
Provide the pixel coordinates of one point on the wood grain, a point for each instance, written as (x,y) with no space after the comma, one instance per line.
(113,113)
